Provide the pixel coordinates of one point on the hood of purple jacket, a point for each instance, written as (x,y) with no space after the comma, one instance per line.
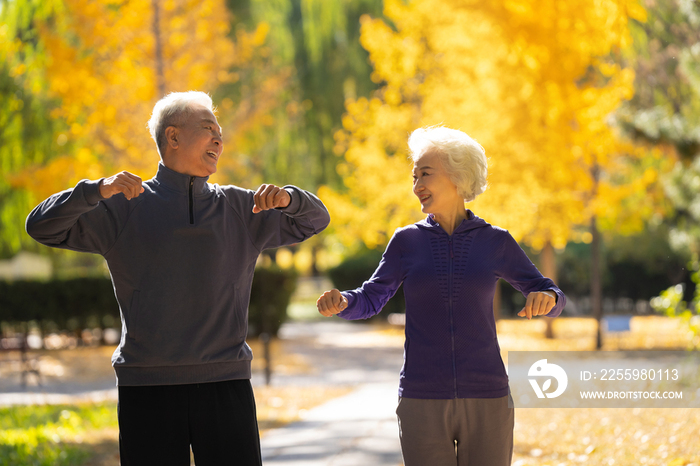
(472,222)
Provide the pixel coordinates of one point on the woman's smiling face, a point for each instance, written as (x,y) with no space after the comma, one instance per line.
(432,185)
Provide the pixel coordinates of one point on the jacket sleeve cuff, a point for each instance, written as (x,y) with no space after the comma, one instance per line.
(91,191)
(294,203)
(346,314)
(560,303)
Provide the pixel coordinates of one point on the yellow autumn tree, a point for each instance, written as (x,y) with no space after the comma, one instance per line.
(108,63)
(533,82)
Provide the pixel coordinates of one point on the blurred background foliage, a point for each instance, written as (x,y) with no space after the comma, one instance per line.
(589,113)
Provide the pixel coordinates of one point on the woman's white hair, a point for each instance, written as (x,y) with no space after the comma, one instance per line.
(172,110)
(463,157)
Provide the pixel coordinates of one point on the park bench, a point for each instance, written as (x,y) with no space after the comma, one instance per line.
(14,351)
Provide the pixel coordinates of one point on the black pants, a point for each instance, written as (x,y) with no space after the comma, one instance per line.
(158,424)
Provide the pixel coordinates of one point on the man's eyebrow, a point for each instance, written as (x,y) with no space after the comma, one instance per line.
(210,121)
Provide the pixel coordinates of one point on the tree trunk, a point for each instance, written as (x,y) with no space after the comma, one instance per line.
(160,76)
(596,284)
(315,249)
(549,270)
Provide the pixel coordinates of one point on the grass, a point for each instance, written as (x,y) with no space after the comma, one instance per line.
(50,435)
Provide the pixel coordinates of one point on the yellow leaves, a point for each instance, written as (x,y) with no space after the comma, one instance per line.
(394,9)
(636,11)
(388,64)
(650,176)
(531,81)
(392,96)
(247,43)
(53,177)
(101,66)
(103,70)
(520,7)
(607,69)
(260,34)
(18,70)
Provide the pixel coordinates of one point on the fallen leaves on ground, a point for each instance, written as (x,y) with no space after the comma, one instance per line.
(278,406)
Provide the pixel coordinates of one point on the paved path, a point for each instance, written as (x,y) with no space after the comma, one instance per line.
(93,381)
(46,398)
(359,429)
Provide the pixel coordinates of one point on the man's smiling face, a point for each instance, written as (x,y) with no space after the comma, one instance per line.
(198,144)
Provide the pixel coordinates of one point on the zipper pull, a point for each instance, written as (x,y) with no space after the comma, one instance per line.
(191,201)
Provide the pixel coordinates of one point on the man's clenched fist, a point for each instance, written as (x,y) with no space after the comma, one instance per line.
(269,196)
(124,182)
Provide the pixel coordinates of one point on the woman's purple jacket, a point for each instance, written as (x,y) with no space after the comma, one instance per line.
(451,349)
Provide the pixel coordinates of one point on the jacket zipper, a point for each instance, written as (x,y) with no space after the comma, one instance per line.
(191,201)
(452,328)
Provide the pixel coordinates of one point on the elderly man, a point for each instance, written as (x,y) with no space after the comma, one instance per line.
(181,253)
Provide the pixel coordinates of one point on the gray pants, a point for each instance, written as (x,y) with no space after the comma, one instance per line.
(456,432)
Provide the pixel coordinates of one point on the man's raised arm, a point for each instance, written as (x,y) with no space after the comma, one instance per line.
(279,216)
(76,219)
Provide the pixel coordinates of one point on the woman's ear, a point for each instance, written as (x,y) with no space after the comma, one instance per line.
(171,136)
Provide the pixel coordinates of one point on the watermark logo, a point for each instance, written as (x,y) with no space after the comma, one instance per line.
(604,379)
(543,369)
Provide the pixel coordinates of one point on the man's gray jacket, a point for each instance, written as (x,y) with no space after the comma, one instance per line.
(181,256)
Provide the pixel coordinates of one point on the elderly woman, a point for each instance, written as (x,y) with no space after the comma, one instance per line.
(453,394)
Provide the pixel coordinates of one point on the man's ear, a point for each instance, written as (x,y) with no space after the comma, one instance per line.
(171,136)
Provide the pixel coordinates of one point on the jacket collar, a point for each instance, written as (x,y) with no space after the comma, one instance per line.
(470,223)
(179,181)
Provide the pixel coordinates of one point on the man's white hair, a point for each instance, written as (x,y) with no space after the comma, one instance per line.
(463,157)
(172,110)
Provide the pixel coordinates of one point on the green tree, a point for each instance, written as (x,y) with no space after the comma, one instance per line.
(311,63)
(313,52)
(28,136)
(665,114)
(665,111)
